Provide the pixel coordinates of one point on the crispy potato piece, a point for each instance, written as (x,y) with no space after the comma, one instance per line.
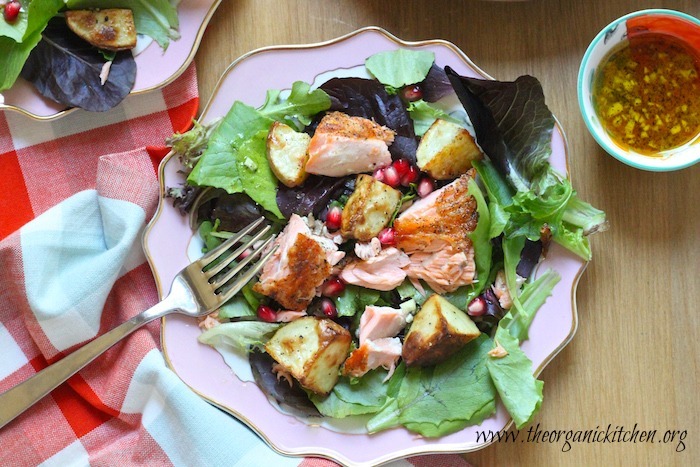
(312,350)
(287,152)
(438,330)
(109,29)
(447,150)
(369,208)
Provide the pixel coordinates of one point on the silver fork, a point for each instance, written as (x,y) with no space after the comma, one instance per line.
(196,291)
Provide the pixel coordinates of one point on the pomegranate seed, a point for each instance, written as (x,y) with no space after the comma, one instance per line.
(402,166)
(11,11)
(328,308)
(425,187)
(411,176)
(332,287)
(411,93)
(245,254)
(334,218)
(477,307)
(267,314)
(379,175)
(391,177)
(387,236)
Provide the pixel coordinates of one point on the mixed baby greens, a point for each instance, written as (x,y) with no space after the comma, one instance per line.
(42,49)
(520,200)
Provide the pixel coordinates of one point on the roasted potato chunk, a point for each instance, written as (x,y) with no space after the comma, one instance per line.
(287,152)
(312,350)
(438,330)
(109,29)
(447,150)
(369,208)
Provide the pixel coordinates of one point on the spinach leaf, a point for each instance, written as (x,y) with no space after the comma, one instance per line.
(154,18)
(66,69)
(367,395)
(397,68)
(354,299)
(435,401)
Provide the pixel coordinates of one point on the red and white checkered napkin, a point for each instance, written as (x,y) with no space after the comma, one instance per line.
(75,195)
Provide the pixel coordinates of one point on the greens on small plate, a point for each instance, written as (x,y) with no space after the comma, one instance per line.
(168,31)
(519,197)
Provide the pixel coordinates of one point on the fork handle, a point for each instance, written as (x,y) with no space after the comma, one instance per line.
(18,399)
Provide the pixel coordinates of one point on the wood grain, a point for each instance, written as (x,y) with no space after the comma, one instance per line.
(635,357)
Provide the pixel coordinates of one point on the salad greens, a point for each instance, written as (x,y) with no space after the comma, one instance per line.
(155,18)
(520,201)
(400,67)
(235,158)
(437,400)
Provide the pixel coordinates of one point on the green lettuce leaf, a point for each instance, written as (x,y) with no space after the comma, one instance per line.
(18,39)
(235,158)
(154,18)
(366,396)
(397,68)
(242,336)
(13,56)
(424,115)
(298,109)
(520,391)
(236,307)
(532,297)
(435,401)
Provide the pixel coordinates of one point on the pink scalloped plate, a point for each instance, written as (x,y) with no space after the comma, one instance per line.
(155,67)
(202,368)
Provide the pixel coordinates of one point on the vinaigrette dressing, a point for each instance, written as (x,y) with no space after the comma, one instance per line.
(647,94)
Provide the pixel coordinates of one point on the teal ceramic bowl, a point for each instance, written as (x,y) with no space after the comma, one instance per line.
(677,24)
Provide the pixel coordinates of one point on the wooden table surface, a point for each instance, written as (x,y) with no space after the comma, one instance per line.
(635,357)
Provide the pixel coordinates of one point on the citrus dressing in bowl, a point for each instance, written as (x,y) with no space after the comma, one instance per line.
(647,93)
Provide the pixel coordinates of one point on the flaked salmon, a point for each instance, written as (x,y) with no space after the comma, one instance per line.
(379,346)
(384,271)
(344,145)
(434,232)
(383,352)
(297,268)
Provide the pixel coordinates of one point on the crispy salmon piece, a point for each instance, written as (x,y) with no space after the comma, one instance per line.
(381,272)
(294,271)
(434,232)
(344,145)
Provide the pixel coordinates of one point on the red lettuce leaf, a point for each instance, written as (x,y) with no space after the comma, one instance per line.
(66,69)
(513,124)
(360,97)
